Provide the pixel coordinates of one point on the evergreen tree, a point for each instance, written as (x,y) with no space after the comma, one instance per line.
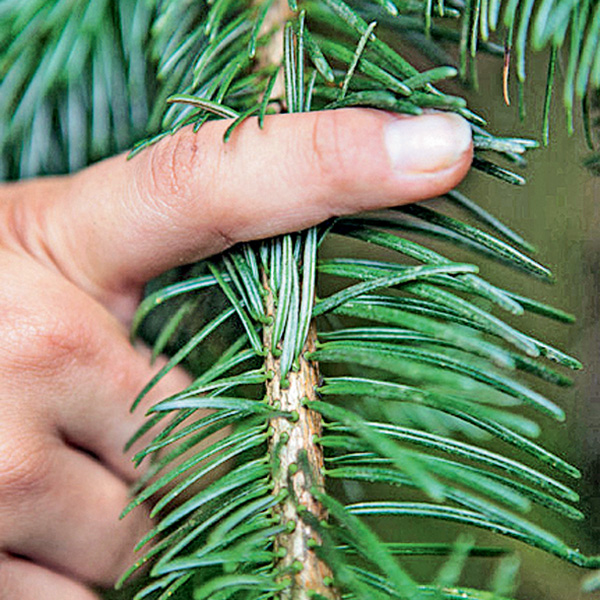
(389,380)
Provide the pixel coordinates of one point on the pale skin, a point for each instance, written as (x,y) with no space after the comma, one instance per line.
(75,253)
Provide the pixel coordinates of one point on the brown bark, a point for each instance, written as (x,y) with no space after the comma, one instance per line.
(299,460)
(298,469)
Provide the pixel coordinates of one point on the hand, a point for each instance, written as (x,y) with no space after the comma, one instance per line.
(75,253)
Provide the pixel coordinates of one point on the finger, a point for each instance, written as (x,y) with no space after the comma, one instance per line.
(69,363)
(98,419)
(21,579)
(61,509)
(191,195)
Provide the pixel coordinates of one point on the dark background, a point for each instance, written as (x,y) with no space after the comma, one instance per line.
(557,212)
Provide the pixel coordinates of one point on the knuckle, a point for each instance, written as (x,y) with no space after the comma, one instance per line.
(332,149)
(182,170)
(166,178)
(46,343)
(224,235)
(23,469)
(51,342)
(171,165)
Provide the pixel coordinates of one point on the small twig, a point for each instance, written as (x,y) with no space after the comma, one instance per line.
(297,468)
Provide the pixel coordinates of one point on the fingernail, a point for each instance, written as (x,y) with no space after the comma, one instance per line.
(427,143)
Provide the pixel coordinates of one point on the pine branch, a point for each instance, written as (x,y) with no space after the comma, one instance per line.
(428,355)
(428,341)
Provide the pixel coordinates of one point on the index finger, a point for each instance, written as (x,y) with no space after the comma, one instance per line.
(192,195)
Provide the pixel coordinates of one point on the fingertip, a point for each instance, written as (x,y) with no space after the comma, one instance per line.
(423,186)
(429,143)
(364,159)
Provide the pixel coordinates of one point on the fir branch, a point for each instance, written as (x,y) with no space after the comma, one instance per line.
(433,362)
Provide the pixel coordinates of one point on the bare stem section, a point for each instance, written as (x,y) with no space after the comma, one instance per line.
(298,463)
(297,460)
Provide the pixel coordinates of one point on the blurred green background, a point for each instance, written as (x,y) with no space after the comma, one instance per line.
(557,212)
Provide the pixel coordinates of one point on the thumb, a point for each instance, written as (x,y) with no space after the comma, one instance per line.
(192,195)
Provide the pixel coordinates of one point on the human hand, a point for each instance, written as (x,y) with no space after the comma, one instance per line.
(75,253)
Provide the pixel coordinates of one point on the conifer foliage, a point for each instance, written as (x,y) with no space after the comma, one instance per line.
(354,389)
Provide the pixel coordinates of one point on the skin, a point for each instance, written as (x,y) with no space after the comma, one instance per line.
(75,252)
